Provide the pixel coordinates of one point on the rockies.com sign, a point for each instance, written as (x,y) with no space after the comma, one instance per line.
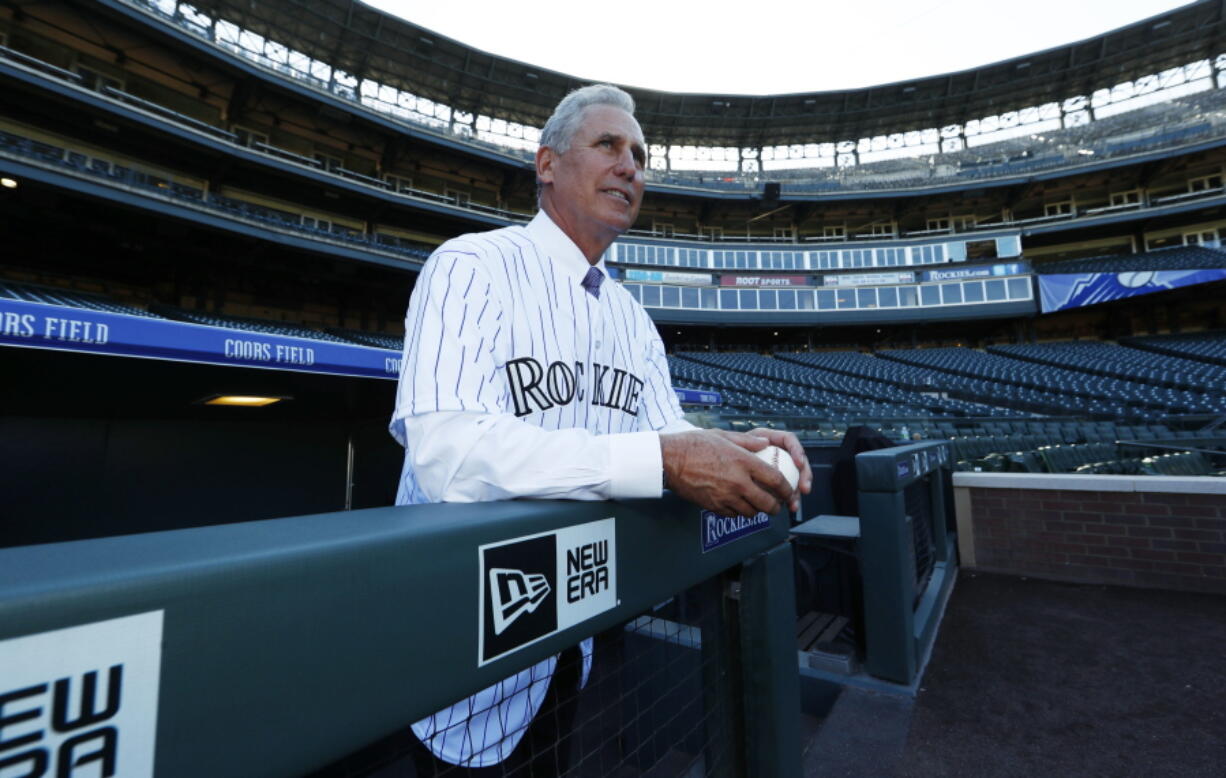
(720,530)
(535,586)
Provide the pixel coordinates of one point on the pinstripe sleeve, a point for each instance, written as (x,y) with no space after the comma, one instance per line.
(452,330)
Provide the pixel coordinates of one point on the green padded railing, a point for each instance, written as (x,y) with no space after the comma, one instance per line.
(286,644)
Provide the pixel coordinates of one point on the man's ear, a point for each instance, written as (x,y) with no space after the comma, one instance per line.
(545,159)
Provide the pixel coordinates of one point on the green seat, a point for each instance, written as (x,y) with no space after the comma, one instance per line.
(1050,459)
(994,463)
(1026,462)
(1200,465)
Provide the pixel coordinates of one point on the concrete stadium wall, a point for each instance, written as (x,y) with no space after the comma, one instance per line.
(1148,531)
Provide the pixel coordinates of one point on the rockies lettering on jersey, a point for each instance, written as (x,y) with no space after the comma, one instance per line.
(561,385)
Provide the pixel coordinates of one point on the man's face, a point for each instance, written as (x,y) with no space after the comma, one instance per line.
(597,184)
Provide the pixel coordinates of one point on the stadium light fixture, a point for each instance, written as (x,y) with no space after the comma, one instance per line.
(8,183)
(242,400)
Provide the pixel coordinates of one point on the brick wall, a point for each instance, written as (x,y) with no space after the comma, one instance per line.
(1171,539)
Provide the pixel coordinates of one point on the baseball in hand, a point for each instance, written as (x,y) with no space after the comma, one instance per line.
(781,461)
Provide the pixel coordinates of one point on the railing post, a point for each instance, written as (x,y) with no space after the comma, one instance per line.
(768,665)
(887,568)
(721,681)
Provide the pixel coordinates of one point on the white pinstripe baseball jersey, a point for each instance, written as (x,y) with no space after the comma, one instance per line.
(518,383)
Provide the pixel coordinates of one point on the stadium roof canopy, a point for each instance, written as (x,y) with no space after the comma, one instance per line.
(368,43)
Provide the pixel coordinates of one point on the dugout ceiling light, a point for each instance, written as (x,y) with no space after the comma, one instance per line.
(241,400)
(8,183)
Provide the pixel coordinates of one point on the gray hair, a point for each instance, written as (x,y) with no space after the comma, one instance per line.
(561,127)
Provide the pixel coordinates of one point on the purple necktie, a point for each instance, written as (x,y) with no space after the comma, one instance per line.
(591,281)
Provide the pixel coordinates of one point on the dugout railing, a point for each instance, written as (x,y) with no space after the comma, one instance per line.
(903,548)
(274,648)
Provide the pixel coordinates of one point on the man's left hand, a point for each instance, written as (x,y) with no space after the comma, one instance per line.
(791,444)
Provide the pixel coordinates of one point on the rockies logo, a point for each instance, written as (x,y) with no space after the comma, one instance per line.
(515,593)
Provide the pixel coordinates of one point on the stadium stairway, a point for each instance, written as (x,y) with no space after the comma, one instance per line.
(1208,348)
(1049,389)
(1118,361)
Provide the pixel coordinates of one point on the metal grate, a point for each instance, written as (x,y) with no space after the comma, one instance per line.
(661,701)
(918,503)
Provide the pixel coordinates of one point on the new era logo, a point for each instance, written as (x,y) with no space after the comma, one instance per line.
(518,593)
(514,593)
(82,700)
(535,586)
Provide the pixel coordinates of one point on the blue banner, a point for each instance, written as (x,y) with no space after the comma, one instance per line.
(987,271)
(39,325)
(670,277)
(656,276)
(721,530)
(696,397)
(1060,292)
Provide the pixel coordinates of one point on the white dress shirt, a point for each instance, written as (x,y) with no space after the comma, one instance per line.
(516,382)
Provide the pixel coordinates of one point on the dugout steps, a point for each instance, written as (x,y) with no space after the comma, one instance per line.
(825,641)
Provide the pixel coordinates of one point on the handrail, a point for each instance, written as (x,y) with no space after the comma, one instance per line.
(286,644)
(168,113)
(1166,446)
(38,64)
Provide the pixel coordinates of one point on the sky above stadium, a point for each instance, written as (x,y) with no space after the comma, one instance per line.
(778,47)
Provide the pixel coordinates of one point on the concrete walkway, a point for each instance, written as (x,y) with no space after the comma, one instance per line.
(1034,678)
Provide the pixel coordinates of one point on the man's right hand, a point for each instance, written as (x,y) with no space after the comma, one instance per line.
(716,470)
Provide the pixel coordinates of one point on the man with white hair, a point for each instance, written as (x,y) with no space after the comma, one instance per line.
(524,375)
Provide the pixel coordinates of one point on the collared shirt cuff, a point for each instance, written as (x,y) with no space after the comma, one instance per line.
(635,465)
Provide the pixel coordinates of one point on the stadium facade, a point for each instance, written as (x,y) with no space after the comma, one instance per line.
(225,198)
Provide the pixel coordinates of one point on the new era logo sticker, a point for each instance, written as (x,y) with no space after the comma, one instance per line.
(535,586)
(514,593)
(81,701)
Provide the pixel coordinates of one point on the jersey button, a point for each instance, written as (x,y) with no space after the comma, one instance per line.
(597,344)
